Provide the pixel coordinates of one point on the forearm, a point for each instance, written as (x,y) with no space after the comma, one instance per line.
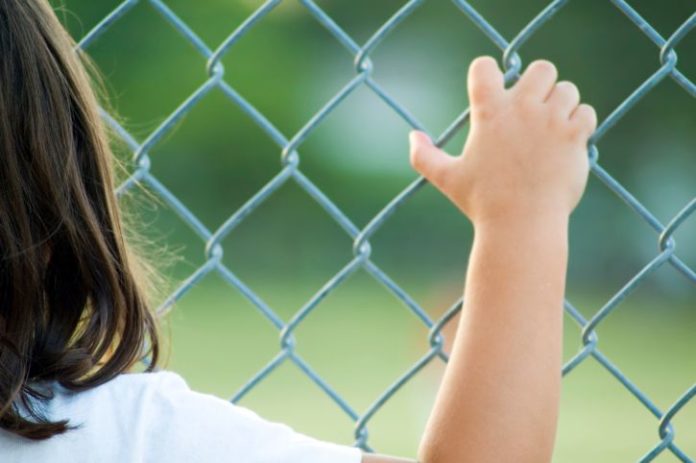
(499,397)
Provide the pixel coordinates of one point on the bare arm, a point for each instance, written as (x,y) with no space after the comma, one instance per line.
(522,172)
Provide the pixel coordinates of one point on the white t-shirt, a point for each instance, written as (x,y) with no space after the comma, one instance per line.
(156,417)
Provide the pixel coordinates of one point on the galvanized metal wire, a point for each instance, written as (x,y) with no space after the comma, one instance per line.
(289,171)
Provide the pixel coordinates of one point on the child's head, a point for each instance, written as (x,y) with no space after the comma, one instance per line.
(71,307)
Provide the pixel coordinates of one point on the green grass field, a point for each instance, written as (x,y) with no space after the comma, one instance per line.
(360,339)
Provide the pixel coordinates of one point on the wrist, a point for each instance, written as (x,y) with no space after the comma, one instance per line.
(519,226)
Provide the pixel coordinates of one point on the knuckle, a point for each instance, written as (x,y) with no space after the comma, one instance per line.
(482,111)
(558,121)
(526,102)
(480,94)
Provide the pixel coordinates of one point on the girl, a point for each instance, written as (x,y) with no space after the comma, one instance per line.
(73,311)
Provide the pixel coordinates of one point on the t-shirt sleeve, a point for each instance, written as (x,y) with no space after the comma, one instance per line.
(195,427)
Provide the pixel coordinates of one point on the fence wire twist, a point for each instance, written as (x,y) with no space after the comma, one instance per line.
(666,67)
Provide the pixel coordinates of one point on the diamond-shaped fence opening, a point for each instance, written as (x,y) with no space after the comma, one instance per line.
(157,55)
(290,145)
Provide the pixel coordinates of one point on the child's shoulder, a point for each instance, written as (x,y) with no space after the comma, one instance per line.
(145,380)
(139,390)
(135,380)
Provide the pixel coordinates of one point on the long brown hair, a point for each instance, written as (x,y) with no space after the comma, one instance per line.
(73,307)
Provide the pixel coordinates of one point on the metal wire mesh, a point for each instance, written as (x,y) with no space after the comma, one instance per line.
(290,172)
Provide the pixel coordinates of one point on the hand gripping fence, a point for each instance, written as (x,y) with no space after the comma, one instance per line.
(666,68)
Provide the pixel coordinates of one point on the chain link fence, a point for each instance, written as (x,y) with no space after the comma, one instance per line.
(289,171)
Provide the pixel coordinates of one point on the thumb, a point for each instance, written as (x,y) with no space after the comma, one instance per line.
(427,159)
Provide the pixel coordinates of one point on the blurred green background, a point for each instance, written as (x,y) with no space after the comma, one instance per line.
(361,338)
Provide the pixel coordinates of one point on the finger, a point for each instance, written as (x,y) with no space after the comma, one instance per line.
(537,80)
(586,118)
(565,96)
(427,159)
(485,80)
